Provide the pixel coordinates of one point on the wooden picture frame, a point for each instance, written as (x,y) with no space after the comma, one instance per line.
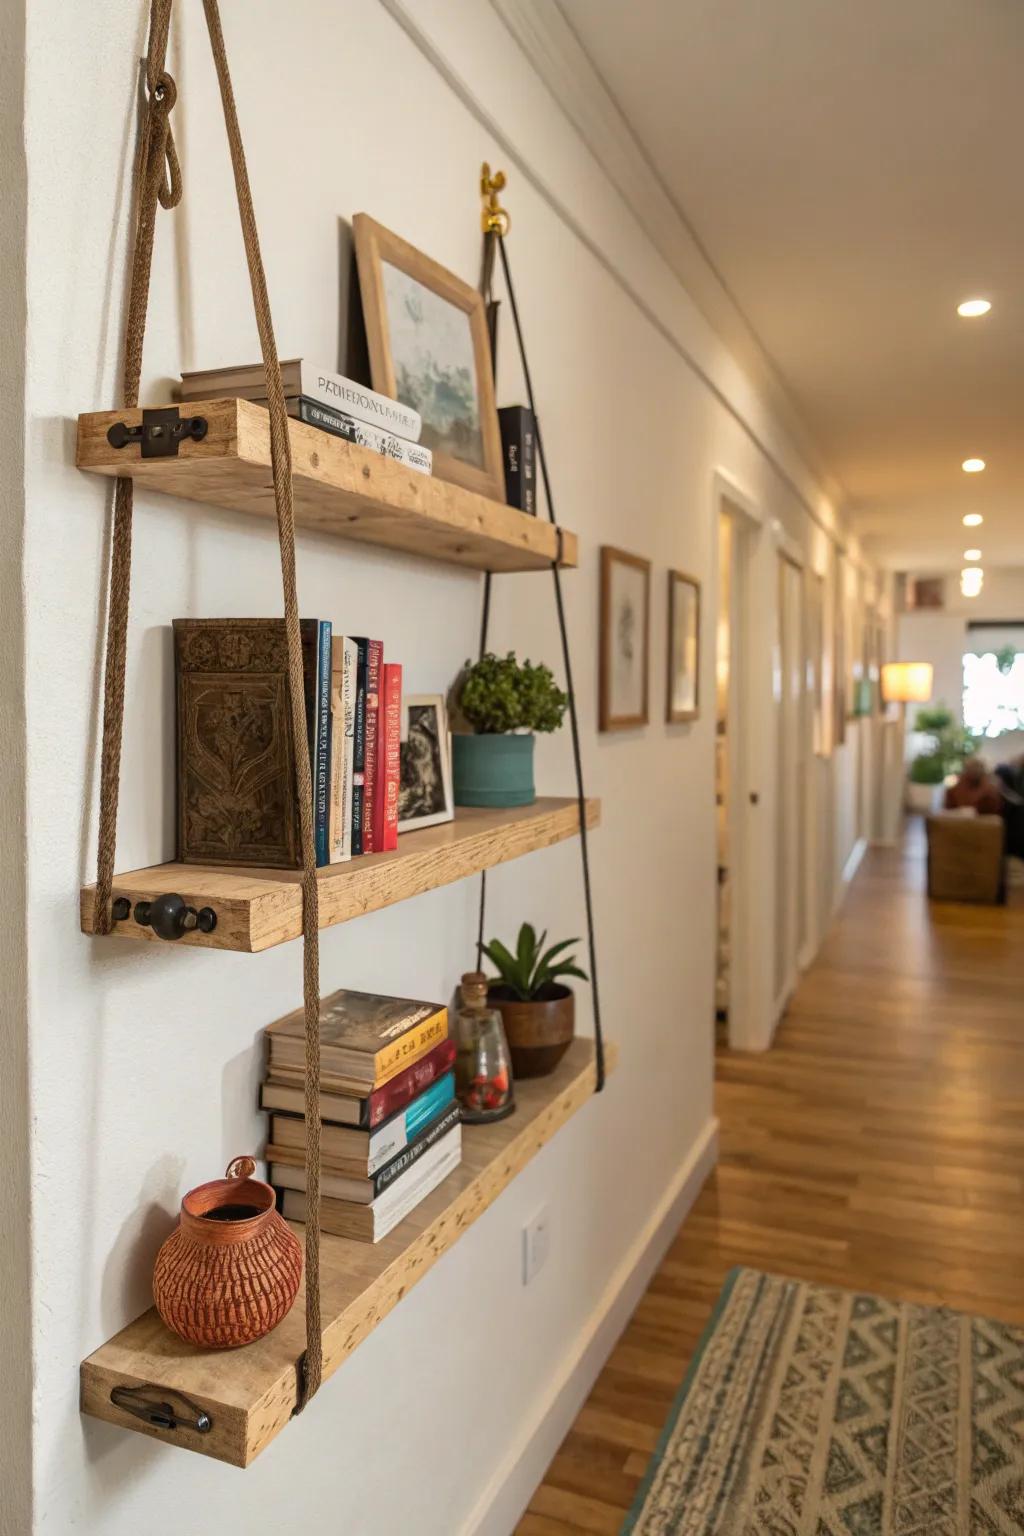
(624,640)
(681,666)
(392,278)
(425,796)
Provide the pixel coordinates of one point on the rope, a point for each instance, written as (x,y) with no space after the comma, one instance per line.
(281,462)
(581,799)
(160,183)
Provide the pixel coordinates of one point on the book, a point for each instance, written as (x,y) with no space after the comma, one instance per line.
(519,456)
(299,377)
(361,1152)
(376,439)
(286,1091)
(374,665)
(344,662)
(364,1189)
(389,759)
(359,747)
(316,680)
(369,1223)
(364,1039)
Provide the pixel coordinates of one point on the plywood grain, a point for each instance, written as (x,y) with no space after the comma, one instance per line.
(257,909)
(250,1393)
(340,489)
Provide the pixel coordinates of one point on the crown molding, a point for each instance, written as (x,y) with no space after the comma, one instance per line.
(549,42)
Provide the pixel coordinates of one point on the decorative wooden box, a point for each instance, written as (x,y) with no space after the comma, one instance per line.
(236,756)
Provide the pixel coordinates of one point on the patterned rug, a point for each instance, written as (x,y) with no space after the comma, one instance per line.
(816,1412)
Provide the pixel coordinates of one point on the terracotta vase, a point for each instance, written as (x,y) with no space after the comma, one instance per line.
(539,1032)
(230,1270)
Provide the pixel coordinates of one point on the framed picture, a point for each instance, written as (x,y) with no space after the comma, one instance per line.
(624,640)
(683,648)
(425,783)
(426,332)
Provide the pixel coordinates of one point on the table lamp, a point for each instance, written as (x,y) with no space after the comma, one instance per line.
(903,683)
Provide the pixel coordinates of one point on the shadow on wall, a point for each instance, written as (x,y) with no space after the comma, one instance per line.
(127,1285)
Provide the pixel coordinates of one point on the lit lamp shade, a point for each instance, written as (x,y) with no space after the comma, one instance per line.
(907,682)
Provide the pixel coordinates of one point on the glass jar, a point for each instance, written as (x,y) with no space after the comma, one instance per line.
(483,1066)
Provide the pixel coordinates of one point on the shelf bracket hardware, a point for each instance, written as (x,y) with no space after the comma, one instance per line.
(159,433)
(170,916)
(162,1408)
(494,219)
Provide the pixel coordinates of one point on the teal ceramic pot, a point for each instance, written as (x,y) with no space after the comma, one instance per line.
(493,770)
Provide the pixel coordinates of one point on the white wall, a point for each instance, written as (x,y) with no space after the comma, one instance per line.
(145,1061)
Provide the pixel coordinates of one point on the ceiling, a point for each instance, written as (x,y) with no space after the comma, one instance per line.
(851,169)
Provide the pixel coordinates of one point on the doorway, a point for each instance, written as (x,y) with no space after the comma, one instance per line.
(791,799)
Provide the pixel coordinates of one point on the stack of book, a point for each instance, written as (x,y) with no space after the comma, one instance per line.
(354,720)
(325,400)
(391,1129)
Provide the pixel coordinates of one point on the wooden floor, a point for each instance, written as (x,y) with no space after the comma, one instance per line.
(878,1145)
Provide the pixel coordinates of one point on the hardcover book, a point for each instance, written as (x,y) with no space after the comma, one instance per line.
(300,377)
(374,668)
(344,663)
(286,1091)
(368,1223)
(389,759)
(363,1189)
(235,753)
(316,675)
(361,433)
(519,453)
(359,1152)
(365,1040)
(359,746)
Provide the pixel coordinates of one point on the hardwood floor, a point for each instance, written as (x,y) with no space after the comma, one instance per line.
(878,1145)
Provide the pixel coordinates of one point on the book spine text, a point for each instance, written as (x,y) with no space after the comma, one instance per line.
(365,436)
(374,667)
(342,394)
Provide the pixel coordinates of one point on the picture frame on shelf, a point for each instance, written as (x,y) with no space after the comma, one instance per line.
(624,640)
(428,345)
(683,692)
(425,796)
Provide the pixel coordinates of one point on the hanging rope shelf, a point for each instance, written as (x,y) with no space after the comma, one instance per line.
(221,452)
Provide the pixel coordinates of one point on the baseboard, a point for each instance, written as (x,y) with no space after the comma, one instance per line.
(506,1496)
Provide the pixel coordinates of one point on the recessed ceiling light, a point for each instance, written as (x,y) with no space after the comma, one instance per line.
(973,520)
(971,308)
(971,578)
(972,554)
(973,466)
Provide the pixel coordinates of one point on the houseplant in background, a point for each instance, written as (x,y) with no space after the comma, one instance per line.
(503,702)
(948,745)
(537,1008)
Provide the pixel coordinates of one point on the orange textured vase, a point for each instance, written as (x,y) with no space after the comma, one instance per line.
(230,1270)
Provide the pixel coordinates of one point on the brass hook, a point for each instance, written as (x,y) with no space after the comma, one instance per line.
(494,220)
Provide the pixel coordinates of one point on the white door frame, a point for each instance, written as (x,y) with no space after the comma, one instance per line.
(751,770)
(788,550)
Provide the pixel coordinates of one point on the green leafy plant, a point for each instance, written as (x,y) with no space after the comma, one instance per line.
(1005,658)
(532,968)
(927,768)
(499,694)
(949,746)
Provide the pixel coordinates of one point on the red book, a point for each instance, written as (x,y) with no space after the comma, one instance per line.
(389,758)
(408,1085)
(374,666)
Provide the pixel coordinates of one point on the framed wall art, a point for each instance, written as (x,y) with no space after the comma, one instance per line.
(425,782)
(624,640)
(683,702)
(426,334)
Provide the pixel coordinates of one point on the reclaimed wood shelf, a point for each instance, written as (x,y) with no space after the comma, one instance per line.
(339,489)
(258,908)
(249,1394)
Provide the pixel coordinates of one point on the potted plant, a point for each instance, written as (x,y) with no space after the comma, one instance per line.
(503,702)
(926,779)
(949,746)
(537,1009)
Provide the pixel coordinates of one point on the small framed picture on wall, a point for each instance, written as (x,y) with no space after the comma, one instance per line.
(683,701)
(624,640)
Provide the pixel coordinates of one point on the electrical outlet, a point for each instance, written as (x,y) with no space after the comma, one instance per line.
(536,1242)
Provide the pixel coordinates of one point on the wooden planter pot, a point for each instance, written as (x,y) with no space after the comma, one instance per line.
(540,1032)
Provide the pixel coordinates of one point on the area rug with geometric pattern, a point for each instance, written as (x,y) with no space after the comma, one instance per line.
(811,1411)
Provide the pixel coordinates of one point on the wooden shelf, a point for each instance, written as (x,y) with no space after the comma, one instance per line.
(249,1394)
(339,489)
(258,908)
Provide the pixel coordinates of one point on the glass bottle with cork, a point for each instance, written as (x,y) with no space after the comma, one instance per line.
(483,1066)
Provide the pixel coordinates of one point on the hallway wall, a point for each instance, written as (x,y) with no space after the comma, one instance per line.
(145,1062)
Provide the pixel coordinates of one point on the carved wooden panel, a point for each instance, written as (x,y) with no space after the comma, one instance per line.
(236,763)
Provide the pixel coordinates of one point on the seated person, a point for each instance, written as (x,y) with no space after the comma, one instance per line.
(975,790)
(1011,782)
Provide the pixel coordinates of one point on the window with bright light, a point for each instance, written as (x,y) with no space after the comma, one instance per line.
(994,693)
